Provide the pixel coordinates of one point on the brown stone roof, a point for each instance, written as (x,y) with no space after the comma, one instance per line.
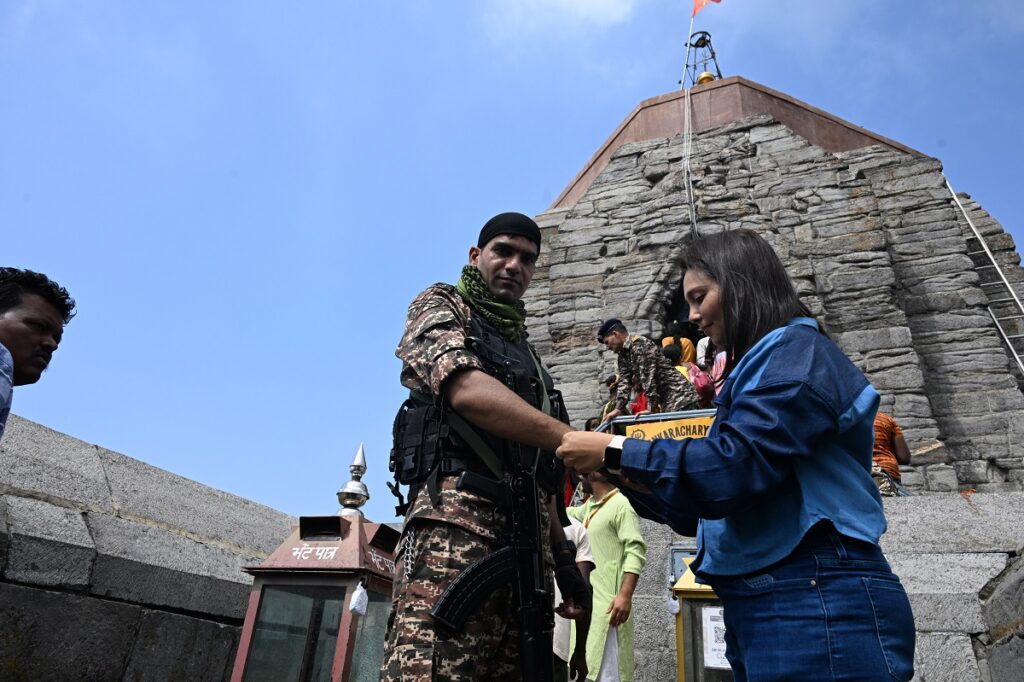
(720,103)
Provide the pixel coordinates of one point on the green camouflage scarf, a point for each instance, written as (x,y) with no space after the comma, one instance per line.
(508,318)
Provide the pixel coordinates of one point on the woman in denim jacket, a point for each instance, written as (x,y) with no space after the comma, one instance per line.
(779,494)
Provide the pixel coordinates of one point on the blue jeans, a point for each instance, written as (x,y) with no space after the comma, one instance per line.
(831,610)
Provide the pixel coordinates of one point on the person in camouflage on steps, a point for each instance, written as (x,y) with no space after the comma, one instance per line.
(446,529)
(641,364)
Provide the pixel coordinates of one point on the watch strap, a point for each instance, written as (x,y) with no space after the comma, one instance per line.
(613,453)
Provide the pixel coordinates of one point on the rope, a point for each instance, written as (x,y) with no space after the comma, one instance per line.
(984,246)
(691,204)
(1002,276)
(686,62)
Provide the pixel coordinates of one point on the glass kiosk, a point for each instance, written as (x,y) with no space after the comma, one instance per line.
(700,631)
(300,625)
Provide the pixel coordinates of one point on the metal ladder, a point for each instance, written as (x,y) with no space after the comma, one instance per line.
(1009,321)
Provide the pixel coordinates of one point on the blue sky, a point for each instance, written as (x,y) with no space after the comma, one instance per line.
(244,196)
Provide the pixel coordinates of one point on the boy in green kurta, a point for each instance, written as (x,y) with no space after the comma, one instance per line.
(620,553)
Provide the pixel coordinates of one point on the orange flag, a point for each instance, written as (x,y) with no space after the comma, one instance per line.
(698,5)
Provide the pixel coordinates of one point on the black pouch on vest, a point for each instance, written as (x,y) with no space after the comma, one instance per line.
(418,432)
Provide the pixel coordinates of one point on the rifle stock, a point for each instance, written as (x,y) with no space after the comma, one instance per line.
(472,586)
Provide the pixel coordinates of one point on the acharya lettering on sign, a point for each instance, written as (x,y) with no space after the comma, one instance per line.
(689,427)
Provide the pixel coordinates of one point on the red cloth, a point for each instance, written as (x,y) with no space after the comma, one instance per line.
(640,404)
(698,5)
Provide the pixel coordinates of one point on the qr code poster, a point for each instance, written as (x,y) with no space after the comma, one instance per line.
(714,638)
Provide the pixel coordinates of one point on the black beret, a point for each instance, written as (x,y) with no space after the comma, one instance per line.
(607,327)
(509,223)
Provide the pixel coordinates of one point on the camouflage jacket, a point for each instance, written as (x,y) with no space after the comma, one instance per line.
(642,365)
(433,348)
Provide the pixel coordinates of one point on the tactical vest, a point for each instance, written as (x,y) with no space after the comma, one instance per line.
(431,440)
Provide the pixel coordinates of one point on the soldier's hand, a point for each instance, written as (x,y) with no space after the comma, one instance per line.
(578,666)
(583,450)
(569,610)
(574,589)
(612,415)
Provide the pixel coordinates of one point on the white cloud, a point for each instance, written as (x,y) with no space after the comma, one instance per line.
(1007,15)
(24,11)
(800,25)
(601,12)
(512,19)
(16,17)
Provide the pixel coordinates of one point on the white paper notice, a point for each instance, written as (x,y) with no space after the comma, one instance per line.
(359,601)
(714,638)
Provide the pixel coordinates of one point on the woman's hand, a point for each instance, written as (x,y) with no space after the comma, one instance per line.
(583,450)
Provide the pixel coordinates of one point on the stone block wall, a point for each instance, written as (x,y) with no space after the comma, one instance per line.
(959,557)
(655,630)
(873,242)
(112,569)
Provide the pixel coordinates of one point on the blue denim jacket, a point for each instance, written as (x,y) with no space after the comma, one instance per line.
(6,386)
(790,446)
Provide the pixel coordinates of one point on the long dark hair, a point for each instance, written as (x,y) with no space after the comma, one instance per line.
(755,294)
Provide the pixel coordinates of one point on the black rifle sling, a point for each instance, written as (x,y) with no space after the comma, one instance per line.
(468,434)
(545,400)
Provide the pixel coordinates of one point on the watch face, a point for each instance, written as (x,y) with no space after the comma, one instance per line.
(612,456)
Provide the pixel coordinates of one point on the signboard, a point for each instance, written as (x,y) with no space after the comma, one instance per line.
(687,427)
(714,638)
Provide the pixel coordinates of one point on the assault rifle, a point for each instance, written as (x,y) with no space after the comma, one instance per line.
(521,562)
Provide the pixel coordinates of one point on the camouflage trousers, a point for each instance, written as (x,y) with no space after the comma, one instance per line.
(432,554)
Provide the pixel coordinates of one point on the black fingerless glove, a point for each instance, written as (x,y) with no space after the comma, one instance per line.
(567,574)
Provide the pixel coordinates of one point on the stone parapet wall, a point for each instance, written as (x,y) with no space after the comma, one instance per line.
(113,569)
(873,242)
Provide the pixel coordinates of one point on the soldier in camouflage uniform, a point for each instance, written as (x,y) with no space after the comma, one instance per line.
(642,365)
(447,530)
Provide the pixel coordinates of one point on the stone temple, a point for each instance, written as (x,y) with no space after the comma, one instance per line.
(883,254)
(111,569)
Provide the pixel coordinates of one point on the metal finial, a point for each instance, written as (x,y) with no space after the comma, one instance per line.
(701,61)
(358,466)
(354,494)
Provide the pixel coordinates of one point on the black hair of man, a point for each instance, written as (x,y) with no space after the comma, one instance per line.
(512,223)
(15,283)
(673,352)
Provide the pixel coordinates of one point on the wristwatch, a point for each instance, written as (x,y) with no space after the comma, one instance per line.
(613,454)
